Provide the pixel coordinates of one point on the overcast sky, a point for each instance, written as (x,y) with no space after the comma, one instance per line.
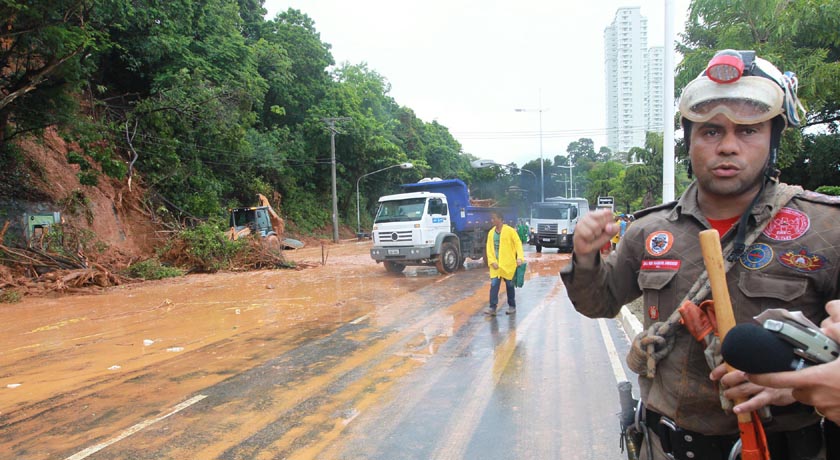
(470,63)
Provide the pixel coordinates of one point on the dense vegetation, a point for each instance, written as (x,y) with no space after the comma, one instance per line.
(208,103)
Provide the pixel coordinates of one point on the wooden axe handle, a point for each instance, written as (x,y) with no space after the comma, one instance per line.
(713,258)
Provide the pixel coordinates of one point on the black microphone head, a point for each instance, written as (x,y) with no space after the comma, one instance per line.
(755,350)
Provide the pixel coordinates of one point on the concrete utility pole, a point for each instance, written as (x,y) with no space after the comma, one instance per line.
(333,131)
(542,162)
(668,179)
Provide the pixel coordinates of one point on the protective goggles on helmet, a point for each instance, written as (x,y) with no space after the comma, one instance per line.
(742,87)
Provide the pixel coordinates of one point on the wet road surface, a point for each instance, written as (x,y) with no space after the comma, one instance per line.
(339,361)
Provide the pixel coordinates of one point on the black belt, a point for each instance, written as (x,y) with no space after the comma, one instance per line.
(683,444)
(686,445)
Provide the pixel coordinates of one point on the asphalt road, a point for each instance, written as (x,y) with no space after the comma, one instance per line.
(341,361)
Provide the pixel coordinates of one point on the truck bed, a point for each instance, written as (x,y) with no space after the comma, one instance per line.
(465,218)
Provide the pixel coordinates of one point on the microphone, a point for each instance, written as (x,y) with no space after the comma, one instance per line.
(758,350)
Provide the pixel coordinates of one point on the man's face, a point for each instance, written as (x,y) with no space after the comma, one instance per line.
(496,220)
(727,158)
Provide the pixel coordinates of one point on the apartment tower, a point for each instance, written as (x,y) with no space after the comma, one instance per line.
(634,81)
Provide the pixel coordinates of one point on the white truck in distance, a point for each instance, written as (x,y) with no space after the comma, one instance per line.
(553,222)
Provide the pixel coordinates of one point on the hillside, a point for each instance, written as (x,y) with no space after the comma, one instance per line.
(111,224)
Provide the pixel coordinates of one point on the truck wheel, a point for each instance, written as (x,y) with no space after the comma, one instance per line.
(539,248)
(448,259)
(393,267)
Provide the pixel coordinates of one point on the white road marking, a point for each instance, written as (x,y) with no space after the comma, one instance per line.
(94,449)
(359,319)
(615,361)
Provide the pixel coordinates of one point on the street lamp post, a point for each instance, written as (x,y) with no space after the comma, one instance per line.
(358,208)
(487,163)
(571,168)
(542,172)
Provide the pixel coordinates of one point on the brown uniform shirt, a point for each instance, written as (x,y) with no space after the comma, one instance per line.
(793,264)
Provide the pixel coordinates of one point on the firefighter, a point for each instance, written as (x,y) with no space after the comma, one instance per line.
(780,247)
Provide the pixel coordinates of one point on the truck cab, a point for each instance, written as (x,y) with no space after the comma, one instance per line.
(553,222)
(255,218)
(408,227)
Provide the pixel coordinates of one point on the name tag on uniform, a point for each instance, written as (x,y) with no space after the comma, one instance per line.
(661,264)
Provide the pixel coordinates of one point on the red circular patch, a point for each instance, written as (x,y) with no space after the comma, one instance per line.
(653,312)
(788,224)
(659,243)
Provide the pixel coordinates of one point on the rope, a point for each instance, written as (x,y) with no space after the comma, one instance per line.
(657,341)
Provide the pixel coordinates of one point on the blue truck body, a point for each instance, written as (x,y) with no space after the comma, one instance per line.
(465,218)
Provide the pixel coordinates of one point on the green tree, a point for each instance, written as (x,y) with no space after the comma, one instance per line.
(819,163)
(801,36)
(309,57)
(44,46)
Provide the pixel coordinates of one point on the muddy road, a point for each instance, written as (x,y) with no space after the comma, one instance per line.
(339,361)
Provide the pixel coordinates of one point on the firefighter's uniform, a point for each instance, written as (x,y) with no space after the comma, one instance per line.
(793,264)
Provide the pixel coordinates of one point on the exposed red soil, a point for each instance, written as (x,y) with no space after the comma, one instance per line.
(125,227)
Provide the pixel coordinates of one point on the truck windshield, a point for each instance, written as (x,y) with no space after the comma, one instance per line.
(553,212)
(401,210)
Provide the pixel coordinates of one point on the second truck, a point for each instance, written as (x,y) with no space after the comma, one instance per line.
(553,222)
(433,223)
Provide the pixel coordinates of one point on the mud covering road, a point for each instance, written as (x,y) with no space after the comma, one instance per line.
(338,361)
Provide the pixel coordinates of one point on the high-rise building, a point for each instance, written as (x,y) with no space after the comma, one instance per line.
(634,84)
(655,99)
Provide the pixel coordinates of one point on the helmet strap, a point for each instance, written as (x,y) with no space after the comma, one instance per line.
(738,247)
(778,125)
(686,126)
(771,173)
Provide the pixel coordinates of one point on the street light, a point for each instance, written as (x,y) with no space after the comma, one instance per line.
(542,173)
(358,209)
(571,176)
(480,164)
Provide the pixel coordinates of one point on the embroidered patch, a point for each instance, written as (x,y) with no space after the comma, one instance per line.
(661,264)
(802,261)
(788,224)
(757,256)
(653,312)
(659,243)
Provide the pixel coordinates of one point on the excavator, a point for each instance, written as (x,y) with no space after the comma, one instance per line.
(262,220)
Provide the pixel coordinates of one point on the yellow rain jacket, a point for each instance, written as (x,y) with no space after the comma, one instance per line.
(510,249)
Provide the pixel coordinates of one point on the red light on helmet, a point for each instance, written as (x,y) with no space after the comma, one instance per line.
(725,67)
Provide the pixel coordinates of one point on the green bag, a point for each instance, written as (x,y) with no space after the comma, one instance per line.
(519,276)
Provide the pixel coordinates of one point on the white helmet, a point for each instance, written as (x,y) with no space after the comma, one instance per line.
(744,88)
